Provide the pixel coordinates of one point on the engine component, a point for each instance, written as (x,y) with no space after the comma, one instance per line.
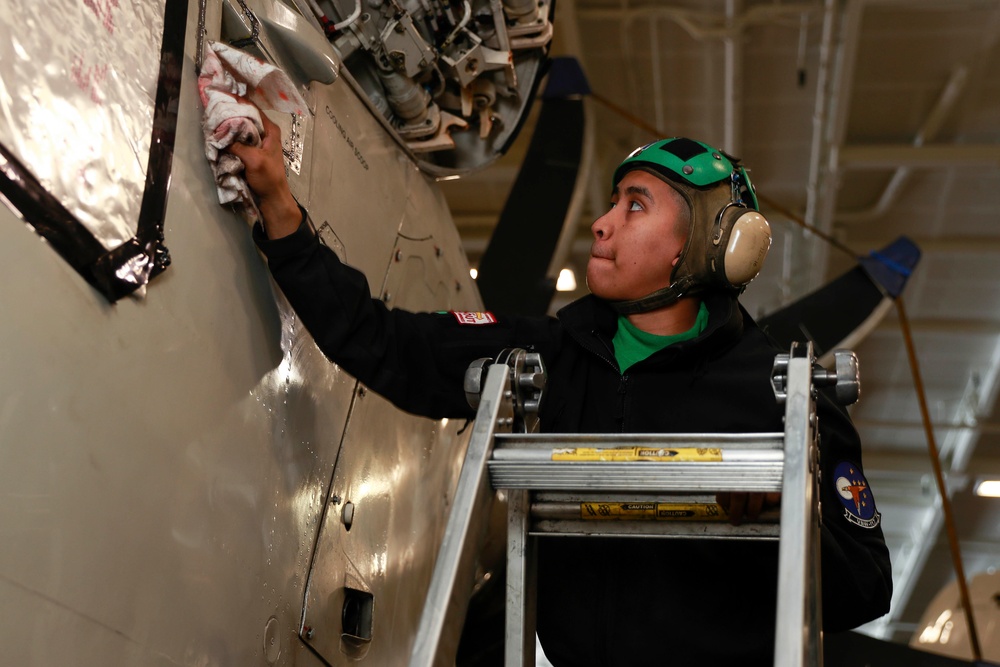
(451,78)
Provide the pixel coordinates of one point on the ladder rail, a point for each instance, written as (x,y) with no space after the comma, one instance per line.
(519,627)
(798,621)
(454,569)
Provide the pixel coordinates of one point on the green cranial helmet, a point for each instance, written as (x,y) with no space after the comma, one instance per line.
(727,239)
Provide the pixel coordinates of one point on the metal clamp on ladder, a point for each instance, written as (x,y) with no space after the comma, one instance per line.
(628,484)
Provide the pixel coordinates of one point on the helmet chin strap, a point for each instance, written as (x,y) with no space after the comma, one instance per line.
(661,298)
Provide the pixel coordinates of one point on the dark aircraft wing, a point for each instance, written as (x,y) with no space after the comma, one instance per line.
(844,310)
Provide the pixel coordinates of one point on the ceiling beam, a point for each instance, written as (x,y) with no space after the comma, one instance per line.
(928,131)
(992,428)
(703,24)
(951,325)
(889,156)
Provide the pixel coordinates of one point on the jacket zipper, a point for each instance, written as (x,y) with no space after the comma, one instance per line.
(622,395)
(622,380)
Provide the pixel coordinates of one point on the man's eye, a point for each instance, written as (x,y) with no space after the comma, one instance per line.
(634,206)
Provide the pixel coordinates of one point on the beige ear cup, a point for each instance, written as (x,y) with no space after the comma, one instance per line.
(749,242)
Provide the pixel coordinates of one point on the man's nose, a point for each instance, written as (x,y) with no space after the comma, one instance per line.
(602,226)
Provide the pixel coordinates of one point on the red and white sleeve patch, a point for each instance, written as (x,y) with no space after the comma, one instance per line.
(468,317)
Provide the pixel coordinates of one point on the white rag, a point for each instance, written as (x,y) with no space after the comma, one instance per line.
(229,77)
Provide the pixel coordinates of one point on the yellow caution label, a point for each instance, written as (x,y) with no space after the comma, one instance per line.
(637,454)
(652,511)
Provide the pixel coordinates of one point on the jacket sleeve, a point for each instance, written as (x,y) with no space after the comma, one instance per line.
(857,576)
(415,360)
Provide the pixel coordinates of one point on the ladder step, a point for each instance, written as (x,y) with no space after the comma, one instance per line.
(651,440)
(637,476)
(639,455)
(659,510)
(655,530)
(648,515)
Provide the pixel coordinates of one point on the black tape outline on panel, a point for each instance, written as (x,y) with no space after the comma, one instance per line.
(100,267)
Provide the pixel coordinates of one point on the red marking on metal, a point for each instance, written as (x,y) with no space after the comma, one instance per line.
(89,78)
(103,10)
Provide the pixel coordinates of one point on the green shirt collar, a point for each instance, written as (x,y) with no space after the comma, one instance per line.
(633,345)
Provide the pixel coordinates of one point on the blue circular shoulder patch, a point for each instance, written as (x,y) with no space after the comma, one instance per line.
(853,492)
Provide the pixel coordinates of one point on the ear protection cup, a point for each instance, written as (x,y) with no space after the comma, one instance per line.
(739,246)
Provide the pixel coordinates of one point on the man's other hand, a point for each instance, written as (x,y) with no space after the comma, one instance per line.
(747,506)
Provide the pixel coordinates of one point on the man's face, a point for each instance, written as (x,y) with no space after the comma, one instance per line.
(639,240)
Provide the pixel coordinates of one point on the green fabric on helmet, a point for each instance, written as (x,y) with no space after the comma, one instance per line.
(682,160)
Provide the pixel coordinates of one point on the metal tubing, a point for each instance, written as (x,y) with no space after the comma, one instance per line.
(634,475)
(454,570)
(827,115)
(671,440)
(797,629)
(728,455)
(732,126)
(519,630)
(570,511)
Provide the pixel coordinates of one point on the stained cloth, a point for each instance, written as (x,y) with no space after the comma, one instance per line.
(234,86)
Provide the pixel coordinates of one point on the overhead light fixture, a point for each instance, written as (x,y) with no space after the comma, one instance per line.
(988,488)
(566,281)
(473,273)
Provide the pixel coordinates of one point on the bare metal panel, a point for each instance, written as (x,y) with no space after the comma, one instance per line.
(395,480)
(165,463)
(162,465)
(77,90)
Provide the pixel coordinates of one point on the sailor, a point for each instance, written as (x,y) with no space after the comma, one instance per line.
(661,344)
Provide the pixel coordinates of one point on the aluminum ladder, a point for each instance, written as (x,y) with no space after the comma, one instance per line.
(659,485)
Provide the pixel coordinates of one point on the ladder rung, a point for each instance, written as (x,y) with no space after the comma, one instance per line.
(660,511)
(727,454)
(672,440)
(653,529)
(645,515)
(635,476)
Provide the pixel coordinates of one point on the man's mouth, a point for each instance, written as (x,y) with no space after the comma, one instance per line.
(600,253)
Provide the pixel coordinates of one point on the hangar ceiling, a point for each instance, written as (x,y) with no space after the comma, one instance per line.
(868,119)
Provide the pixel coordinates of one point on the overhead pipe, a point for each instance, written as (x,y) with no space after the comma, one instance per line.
(732,129)
(830,121)
(654,58)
